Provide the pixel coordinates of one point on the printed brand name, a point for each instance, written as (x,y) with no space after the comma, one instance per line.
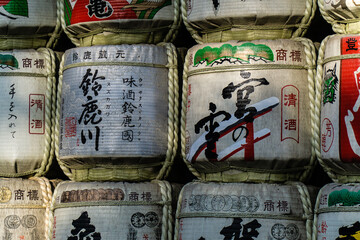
(89,195)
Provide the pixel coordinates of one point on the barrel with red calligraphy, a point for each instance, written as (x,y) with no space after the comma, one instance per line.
(337,212)
(257,123)
(27,85)
(117,112)
(248,211)
(343,15)
(28,24)
(220,21)
(25,208)
(338,95)
(112,210)
(106,22)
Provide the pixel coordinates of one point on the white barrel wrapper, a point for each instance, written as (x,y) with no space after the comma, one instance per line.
(28,24)
(120,22)
(248,110)
(112,211)
(24,208)
(114,108)
(219,21)
(208,211)
(343,15)
(339,96)
(26,90)
(337,210)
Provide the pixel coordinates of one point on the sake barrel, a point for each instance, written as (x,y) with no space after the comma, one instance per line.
(27,85)
(337,96)
(112,210)
(118,112)
(120,22)
(343,15)
(28,24)
(248,110)
(25,208)
(220,21)
(337,212)
(247,211)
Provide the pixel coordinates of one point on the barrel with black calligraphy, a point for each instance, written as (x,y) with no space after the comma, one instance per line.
(112,211)
(117,112)
(105,22)
(209,211)
(220,20)
(27,85)
(343,15)
(338,98)
(25,208)
(28,24)
(257,123)
(337,212)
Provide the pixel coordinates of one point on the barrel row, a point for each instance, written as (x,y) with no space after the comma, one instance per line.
(34,24)
(113,115)
(38,209)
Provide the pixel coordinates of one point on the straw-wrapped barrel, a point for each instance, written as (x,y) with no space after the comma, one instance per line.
(25,208)
(338,98)
(112,211)
(117,111)
(245,211)
(28,24)
(247,111)
(120,22)
(337,212)
(220,21)
(343,15)
(27,88)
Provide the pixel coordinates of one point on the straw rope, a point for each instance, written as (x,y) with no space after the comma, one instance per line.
(47,196)
(173,95)
(307,207)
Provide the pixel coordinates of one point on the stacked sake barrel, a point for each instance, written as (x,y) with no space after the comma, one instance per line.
(25,208)
(337,212)
(28,86)
(116,120)
(337,110)
(247,116)
(28,29)
(258,123)
(337,93)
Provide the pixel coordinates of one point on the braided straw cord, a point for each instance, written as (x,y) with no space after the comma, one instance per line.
(52,216)
(173,119)
(191,30)
(318,82)
(171,35)
(310,53)
(177,215)
(47,196)
(310,9)
(73,39)
(65,169)
(56,34)
(167,219)
(307,207)
(183,115)
(315,222)
(49,151)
